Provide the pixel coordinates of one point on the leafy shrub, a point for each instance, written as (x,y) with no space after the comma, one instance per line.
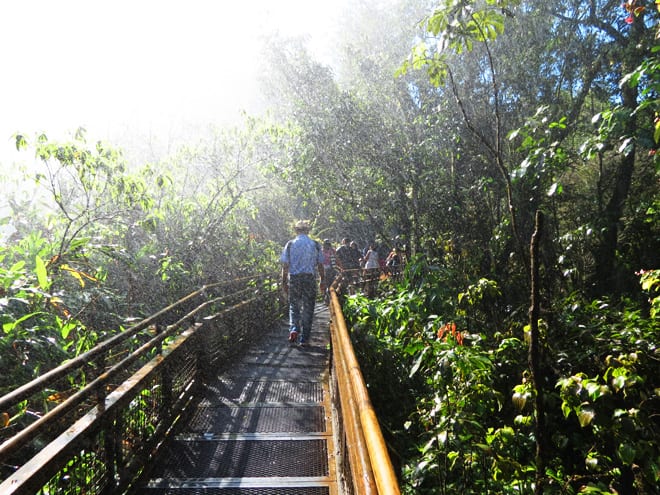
(460,403)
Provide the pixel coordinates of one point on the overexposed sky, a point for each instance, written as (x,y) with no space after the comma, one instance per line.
(148,65)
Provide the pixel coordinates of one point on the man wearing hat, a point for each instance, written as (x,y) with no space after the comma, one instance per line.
(301,258)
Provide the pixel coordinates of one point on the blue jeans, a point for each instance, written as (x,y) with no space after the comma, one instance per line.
(302,298)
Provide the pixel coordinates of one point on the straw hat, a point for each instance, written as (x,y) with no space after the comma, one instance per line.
(301,226)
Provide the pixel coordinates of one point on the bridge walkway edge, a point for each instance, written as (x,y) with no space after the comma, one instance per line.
(264,425)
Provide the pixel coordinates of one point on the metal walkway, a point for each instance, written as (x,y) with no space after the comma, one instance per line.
(262,427)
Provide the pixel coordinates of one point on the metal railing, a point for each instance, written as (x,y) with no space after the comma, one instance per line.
(88,425)
(365,461)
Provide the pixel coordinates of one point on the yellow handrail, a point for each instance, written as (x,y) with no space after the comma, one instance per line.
(380,463)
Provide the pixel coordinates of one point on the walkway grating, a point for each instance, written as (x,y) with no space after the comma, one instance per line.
(262,427)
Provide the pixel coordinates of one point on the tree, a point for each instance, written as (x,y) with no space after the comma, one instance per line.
(358,140)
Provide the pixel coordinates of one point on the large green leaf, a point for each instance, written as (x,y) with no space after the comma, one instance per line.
(42,273)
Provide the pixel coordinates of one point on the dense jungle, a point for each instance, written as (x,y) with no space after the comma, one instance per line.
(508,146)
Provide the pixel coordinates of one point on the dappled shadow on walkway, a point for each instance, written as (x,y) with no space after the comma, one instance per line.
(262,425)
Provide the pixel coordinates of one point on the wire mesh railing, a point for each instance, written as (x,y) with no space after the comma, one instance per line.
(88,425)
(91,425)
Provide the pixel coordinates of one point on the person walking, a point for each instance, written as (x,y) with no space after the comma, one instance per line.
(343,255)
(301,258)
(348,261)
(329,268)
(371,270)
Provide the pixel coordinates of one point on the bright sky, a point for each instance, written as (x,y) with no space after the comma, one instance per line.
(148,65)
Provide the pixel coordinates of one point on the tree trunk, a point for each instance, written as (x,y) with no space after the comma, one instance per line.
(606,263)
(534,357)
(606,266)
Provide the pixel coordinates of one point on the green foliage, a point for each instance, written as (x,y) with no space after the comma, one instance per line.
(451,380)
(36,327)
(456,25)
(468,425)
(650,280)
(573,86)
(109,244)
(614,399)
(544,157)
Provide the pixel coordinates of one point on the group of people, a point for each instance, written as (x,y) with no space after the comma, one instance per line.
(371,260)
(302,258)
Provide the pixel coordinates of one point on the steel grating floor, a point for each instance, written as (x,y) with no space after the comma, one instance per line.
(258,419)
(195,489)
(262,428)
(242,390)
